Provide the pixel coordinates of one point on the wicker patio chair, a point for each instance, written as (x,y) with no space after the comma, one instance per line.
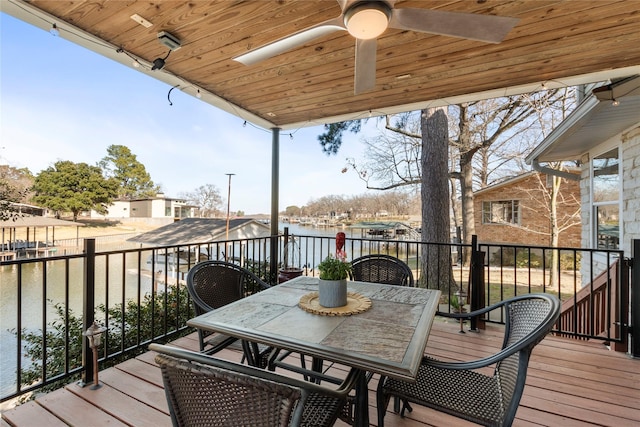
(213,284)
(458,389)
(379,268)
(206,391)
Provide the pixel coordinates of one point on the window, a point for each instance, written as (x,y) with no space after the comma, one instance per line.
(605,199)
(501,212)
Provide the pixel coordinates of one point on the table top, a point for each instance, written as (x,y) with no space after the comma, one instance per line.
(388,339)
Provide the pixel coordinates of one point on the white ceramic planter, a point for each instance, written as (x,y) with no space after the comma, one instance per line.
(332,293)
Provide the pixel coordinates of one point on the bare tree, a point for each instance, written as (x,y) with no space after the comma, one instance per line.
(14,188)
(488,141)
(396,203)
(549,116)
(207,198)
(393,157)
(494,128)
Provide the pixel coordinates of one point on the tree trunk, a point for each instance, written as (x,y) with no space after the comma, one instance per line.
(466,188)
(436,259)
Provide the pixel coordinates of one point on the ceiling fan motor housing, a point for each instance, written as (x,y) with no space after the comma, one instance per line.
(367,19)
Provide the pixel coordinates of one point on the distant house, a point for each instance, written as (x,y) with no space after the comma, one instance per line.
(517,211)
(603,132)
(154,207)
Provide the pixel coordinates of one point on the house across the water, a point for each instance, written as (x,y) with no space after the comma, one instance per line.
(153,207)
(391,230)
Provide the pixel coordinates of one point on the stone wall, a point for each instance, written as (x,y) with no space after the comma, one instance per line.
(630,188)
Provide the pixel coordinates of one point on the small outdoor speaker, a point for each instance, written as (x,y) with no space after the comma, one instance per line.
(170,41)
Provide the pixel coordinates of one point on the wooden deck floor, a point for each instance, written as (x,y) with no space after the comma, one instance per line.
(570,383)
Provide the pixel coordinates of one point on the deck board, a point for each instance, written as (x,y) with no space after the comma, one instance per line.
(576,383)
(142,391)
(118,404)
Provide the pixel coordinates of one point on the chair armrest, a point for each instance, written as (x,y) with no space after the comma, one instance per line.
(473,364)
(471,314)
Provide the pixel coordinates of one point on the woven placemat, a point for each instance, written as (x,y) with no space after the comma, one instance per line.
(356,303)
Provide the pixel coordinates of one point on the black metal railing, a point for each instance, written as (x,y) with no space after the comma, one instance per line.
(140,295)
(592,284)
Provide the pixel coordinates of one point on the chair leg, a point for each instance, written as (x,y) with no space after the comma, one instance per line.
(405,406)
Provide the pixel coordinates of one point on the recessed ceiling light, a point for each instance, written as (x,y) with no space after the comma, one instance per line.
(270,114)
(403,76)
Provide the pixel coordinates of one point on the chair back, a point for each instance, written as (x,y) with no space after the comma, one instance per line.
(218,394)
(379,268)
(528,320)
(204,391)
(213,284)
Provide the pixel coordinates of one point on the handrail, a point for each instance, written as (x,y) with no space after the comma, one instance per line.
(130,278)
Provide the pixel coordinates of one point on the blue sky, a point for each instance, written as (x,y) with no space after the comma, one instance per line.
(59,101)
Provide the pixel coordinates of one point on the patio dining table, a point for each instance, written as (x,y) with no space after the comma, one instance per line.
(388,338)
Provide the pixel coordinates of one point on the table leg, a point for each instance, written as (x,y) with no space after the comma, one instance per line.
(316,366)
(362,401)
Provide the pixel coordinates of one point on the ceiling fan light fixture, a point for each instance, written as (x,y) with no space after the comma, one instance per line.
(367,20)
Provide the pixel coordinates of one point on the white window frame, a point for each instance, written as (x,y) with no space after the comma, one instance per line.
(515,212)
(594,205)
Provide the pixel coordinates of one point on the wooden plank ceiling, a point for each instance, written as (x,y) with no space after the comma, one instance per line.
(553,41)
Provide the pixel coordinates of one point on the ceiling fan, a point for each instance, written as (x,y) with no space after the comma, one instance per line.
(366,20)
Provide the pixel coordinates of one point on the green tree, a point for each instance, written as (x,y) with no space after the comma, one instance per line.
(130,324)
(134,180)
(74,187)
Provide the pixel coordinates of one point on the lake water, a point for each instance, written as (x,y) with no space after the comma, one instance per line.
(33,292)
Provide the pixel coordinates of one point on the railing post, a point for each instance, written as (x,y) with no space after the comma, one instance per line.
(635,299)
(88,308)
(477,283)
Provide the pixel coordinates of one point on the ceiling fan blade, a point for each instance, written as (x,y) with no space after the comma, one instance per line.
(365,72)
(343,4)
(290,42)
(346,4)
(485,28)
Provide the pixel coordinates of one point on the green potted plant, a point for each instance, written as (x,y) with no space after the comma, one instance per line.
(332,287)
